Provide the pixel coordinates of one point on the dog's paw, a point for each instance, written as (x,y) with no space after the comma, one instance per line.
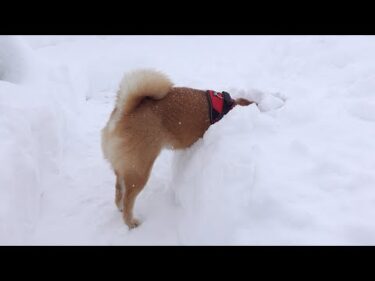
(133,223)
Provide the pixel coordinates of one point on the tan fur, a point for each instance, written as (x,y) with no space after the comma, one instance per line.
(150,114)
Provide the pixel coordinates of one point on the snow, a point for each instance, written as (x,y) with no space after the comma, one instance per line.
(297,170)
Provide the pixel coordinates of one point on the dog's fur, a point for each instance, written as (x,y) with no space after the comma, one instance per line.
(150,114)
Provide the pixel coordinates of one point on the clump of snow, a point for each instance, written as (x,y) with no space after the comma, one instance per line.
(265,102)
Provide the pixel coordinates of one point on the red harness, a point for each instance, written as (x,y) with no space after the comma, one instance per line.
(219,105)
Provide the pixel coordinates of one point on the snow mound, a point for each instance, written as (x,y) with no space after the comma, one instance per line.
(37,101)
(31,139)
(214,178)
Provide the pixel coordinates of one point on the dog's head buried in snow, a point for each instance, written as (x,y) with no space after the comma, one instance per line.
(151,114)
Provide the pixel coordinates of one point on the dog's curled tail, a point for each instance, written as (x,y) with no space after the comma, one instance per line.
(139,84)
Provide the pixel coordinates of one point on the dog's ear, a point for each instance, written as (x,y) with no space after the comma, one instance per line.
(243,102)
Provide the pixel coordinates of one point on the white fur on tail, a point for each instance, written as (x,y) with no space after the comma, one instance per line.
(134,87)
(137,85)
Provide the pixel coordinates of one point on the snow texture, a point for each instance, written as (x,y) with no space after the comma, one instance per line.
(296,170)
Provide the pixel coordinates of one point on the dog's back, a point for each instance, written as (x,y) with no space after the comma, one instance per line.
(183,115)
(150,109)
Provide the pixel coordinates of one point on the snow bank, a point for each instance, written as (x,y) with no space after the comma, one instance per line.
(36,103)
(16,59)
(297,174)
(31,143)
(213,179)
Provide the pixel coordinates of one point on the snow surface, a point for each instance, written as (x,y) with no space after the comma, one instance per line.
(298,170)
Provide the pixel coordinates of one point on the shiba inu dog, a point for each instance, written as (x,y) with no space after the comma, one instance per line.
(151,114)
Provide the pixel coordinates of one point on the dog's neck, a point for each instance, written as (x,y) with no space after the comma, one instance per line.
(219,104)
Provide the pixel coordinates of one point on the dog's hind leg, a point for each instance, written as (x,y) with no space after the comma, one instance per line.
(135,178)
(134,184)
(119,192)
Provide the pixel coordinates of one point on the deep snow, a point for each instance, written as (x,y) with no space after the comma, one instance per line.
(297,170)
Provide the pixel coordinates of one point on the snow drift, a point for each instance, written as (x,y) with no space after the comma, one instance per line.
(33,117)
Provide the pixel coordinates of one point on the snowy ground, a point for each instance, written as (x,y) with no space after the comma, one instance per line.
(297,171)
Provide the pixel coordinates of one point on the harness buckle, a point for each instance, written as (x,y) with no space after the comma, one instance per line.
(216,94)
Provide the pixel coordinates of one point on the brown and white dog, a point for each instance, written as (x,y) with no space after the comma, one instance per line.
(151,114)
